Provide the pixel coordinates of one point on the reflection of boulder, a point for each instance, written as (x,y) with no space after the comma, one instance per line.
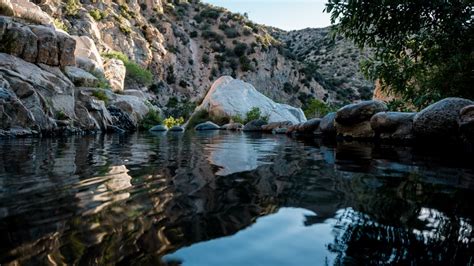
(113,189)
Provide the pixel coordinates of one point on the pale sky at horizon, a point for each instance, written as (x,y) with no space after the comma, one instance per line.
(283,14)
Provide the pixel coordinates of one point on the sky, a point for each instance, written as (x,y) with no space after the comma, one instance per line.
(283,14)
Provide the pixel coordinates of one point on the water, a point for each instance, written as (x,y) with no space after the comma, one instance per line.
(222,198)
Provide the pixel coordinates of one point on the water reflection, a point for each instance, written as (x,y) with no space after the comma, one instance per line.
(231,198)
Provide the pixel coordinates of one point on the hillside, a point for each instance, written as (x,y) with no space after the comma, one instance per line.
(336,59)
(108,60)
(187,45)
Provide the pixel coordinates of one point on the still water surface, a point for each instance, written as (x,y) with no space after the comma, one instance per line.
(222,198)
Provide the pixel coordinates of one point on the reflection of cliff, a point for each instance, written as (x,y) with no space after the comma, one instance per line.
(134,199)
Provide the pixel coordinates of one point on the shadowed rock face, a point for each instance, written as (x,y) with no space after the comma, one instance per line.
(124,199)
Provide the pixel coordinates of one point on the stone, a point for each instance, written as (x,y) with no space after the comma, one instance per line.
(158,128)
(359,112)
(48,49)
(115,72)
(87,55)
(393,125)
(67,46)
(80,77)
(229,97)
(254,125)
(466,122)
(440,119)
(177,129)
(353,120)
(121,119)
(134,106)
(271,126)
(27,10)
(326,126)
(6,8)
(233,126)
(280,130)
(43,92)
(308,127)
(207,126)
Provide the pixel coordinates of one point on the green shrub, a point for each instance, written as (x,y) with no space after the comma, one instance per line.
(193,34)
(316,108)
(101,95)
(59,24)
(231,33)
(98,14)
(210,13)
(245,64)
(237,119)
(133,70)
(72,7)
(240,49)
(205,59)
(171,122)
(138,74)
(125,29)
(151,119)
(255,114)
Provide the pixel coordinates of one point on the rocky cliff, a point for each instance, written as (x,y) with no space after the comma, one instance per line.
(335,58)
(107,63)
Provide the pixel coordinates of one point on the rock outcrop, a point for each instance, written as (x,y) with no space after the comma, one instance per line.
(254,125)
(353,120)
(440,120)
(207,126)
(115,71)
(230,97)
(36,43)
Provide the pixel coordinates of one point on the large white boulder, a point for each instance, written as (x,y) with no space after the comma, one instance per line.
(229,97)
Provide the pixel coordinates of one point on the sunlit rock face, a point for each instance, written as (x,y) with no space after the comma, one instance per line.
(229,97)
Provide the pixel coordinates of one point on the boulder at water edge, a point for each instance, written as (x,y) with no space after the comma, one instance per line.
(353,120)
(275,125)
(255,125)
(176,129)
(308,127)
(230,97)
(393,125)
(207,126)
(326,126)
(466,122)
(440,120)
(158,128)
(233,126)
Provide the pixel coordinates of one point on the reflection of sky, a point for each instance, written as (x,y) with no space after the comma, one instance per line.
(277,239)
(239,153)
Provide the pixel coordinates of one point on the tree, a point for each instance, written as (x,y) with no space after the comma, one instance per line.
(424,50)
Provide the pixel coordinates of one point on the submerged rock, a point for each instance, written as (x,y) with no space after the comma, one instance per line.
(177,129)
(393,125)
(440,120)
(233,126)
(254,125)
(158,128)
(229,97)
(353,120)
(207,126)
